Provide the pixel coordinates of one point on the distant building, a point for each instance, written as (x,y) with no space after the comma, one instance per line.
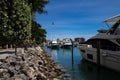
(80,40)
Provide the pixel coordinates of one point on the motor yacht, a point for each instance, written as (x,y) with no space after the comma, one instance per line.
(104,48)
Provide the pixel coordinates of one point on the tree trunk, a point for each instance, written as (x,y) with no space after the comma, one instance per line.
(15,49)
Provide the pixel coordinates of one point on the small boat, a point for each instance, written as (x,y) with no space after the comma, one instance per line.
(54,44)
(67,43)
(104,48)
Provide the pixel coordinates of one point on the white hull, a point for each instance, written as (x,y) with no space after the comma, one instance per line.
(110,59)
(67,44)
(54,46)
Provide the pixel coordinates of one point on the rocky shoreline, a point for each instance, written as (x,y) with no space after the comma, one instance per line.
(33,64)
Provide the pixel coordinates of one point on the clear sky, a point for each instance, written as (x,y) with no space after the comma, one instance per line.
(77,18)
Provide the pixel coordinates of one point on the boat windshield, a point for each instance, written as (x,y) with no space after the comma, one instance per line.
(114,22)
(113,19)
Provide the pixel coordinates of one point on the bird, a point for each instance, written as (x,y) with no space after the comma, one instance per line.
(53,23)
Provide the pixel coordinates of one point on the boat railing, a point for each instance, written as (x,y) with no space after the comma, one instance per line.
(85,45)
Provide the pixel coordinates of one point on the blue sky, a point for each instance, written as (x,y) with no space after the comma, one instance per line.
(77,18)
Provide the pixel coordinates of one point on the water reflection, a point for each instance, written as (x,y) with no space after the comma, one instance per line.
(67,51)
(81,69)
(54,54)
(90,71)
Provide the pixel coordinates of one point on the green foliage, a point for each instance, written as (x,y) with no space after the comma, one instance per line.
(15,21)
(38,5)
(3,18)
(38,34)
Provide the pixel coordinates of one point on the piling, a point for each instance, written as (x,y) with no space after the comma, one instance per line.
(98,59)
(72,54)
(98,52)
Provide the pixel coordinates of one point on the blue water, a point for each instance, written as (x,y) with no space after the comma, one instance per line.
(78,68)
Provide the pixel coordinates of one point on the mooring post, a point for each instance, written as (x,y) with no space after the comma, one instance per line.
(72,54)
(98,58)
(98,53)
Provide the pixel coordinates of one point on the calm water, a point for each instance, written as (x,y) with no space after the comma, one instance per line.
(80,69)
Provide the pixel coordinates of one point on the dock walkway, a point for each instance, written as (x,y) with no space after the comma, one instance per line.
(8,52)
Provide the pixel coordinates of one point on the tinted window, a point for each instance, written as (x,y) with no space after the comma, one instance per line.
(90,56)
(104,44)
(118,40)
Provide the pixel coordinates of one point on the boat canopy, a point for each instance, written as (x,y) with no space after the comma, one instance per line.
(113,19)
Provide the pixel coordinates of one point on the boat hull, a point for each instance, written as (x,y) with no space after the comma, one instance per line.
(109,59)
(67,46)
(55,46)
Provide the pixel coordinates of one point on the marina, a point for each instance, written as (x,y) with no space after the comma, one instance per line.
(97,58)
(68,42)
(78,68)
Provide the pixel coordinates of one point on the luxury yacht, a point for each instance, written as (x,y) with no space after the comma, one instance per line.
(54,44)
(67,43)
(104,48)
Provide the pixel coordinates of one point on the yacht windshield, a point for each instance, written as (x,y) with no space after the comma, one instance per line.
(116,23)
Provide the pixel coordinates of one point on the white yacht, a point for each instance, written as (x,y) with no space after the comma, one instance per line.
(54,44)
(67,43)
(104,48)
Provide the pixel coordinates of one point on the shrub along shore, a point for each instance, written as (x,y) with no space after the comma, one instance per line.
(33,64)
